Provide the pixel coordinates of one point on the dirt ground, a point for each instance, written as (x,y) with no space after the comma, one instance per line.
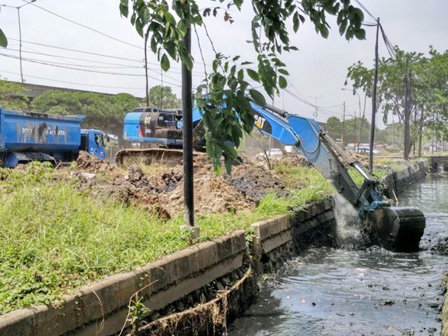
(160,188)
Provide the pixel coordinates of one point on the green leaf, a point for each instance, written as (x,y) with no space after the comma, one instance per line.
(282,82)
(165,63)
(253,74)
(296,22)
(139,27)
(124,8)
(3,40)
(258,97)
(360,34)
(182,27)
(343,26)
(283,72)
(228,164)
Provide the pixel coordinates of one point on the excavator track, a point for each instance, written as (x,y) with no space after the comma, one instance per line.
(170,157)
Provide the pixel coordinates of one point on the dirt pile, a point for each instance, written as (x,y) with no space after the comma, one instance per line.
(160,188)
(87,162)
(256,182)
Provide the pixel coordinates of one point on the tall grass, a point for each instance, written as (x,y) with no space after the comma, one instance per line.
(55,238)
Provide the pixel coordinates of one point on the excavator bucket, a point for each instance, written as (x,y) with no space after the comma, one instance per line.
(170,157)
(396,229)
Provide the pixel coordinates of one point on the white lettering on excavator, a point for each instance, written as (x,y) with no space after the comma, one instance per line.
(259,121)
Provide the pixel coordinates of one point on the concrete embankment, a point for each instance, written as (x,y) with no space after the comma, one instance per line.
(397,182)
(194,291)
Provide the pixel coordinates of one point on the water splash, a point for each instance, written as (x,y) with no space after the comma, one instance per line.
(349,225)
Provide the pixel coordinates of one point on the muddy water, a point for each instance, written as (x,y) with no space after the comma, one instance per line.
(369,292)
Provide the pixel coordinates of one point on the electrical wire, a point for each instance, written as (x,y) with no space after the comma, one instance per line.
(82,25)
(73,58)
(358,2)
(85,70)
(74,83)
(195,73)
(389,46)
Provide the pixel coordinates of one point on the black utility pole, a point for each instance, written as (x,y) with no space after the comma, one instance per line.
(146,70)
(20,34)
(375,81)
(343,126)
(187,116)
(407,113)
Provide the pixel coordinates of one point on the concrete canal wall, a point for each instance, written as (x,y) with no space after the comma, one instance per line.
(222,275)
(397,182)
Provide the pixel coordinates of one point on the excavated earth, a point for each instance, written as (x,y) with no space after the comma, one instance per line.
(160,188)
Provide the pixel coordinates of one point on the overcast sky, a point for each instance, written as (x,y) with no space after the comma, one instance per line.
(318,69)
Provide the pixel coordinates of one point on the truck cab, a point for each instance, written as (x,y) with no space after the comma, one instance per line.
(92,141)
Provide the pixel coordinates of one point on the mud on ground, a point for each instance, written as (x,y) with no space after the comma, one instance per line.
(160,188)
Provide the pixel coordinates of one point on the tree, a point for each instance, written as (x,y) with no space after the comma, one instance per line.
(162,97)
(411,86)
(102,111)
(334,127)
(222,94)
(12,96)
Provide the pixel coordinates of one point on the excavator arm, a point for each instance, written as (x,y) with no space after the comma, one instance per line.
(322,152)
(398,229)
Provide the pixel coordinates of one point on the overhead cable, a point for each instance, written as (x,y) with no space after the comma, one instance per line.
(66,82)
(85,70)
(82,25)
(360,4)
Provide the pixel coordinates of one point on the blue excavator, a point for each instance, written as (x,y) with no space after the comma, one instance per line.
(154,134)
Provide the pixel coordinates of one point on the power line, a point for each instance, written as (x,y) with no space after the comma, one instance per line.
(82,25)
(195,73)
(116,66)
(74,83)
(360,4)
(390,48)
(84,70)
(73,58)
(79,51)
(323,111)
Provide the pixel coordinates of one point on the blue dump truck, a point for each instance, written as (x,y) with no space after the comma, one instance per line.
(29,136)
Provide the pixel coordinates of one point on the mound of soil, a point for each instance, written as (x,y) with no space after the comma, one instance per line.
(91,163)
(161,190)
(256,182)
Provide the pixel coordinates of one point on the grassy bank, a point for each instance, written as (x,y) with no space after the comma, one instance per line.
(55,238)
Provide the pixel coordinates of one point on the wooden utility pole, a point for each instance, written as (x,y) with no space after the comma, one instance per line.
(375,81)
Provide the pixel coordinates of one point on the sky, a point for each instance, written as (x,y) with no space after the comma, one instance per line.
(74,33)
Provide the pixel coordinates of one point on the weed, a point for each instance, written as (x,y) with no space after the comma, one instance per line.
(55,239)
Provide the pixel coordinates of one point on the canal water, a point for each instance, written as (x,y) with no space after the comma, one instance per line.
(330,291)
